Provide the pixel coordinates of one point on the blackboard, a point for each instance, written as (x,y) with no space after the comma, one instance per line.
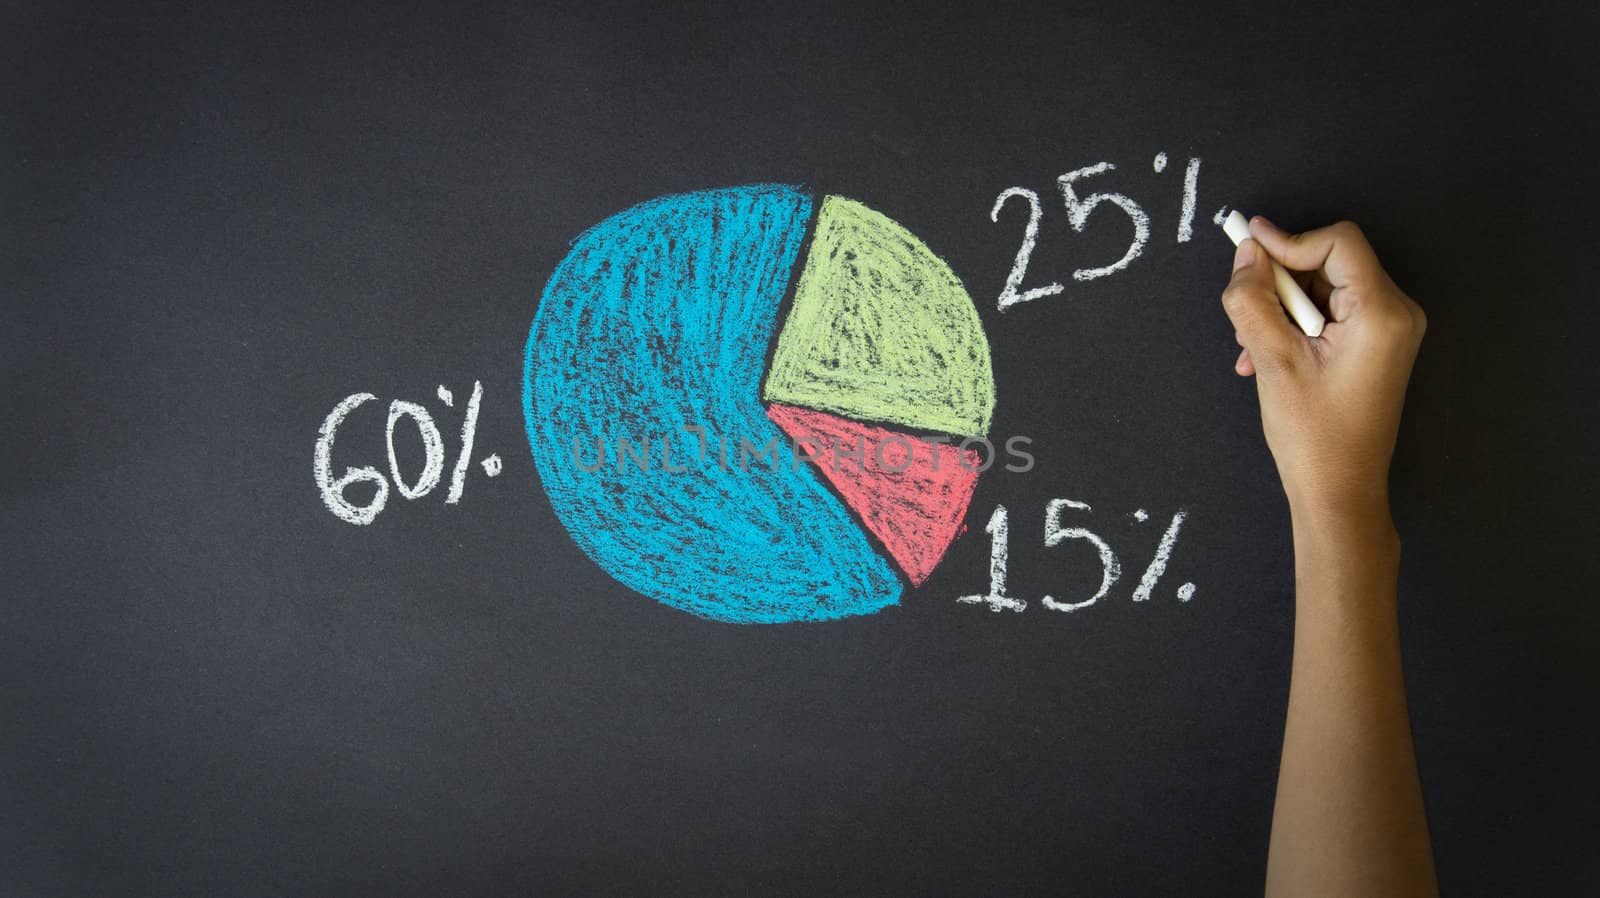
(222,220)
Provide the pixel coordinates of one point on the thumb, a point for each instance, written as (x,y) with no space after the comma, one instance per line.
(1252,306)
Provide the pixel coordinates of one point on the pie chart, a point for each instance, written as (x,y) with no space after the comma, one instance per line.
(755,405)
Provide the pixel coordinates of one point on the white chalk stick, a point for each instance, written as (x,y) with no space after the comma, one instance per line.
(1304,312)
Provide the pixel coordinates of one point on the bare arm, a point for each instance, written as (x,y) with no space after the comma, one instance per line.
(1349,818)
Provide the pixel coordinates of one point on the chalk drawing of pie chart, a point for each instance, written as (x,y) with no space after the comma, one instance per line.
(735,401)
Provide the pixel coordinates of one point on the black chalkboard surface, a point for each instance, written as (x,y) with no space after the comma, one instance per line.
(222,221)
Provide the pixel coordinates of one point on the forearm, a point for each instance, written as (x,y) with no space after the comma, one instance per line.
(1349,817)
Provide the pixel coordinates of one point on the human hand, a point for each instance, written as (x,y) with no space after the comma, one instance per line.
(1330,406)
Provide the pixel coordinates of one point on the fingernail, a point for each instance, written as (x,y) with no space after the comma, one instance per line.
(1260,221)
(1245,255)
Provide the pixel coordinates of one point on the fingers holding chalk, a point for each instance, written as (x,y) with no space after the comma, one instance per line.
(1268,337)
(1294,299)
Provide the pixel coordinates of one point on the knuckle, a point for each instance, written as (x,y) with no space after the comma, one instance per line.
(1394,319)
(1403,321)
(1240,298)
(1349,230)
(1234,302)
